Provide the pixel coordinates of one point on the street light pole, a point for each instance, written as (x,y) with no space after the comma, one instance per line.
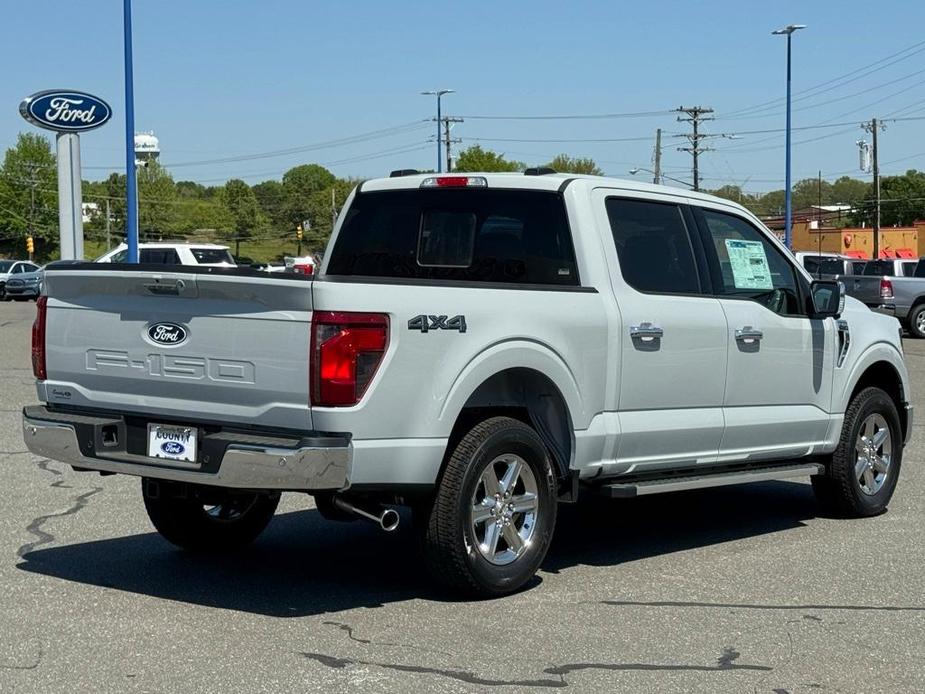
(131,186)
(439,93)
(788,31)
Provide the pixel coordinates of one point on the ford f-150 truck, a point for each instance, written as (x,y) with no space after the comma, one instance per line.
(478,347)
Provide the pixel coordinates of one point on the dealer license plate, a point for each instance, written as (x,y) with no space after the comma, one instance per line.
(172,442)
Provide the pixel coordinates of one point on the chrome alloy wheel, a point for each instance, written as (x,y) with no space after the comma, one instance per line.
(504,508)
(874,449)
(920,322)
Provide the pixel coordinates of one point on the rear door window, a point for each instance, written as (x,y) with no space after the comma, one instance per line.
(206,256)
(491,236)
(159,256)
(653,246)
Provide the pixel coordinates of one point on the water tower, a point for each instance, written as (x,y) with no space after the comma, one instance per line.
(147,148)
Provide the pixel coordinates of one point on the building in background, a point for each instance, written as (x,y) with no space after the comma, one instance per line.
(147,148)
(858,242)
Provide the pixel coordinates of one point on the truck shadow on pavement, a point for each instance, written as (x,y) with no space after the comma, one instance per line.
(304,565)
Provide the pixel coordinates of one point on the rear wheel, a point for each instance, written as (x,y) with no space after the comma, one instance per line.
(495,510)
(916,323)
(207,519)
(862,473)
(3,296)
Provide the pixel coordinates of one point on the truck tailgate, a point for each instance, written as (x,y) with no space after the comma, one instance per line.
(184,345)
(864,288)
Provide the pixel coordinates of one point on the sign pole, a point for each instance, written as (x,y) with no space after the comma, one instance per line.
(131,186)
(70,208)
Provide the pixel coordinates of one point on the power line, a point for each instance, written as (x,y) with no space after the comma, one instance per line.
(592,116)
(816,89)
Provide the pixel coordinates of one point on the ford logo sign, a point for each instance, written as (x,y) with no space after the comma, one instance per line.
(173,448)
(65,110)
(167,334)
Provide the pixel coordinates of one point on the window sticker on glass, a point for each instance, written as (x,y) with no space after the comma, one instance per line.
(749,264)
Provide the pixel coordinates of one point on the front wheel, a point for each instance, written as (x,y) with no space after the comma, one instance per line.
(494,513)
(862,473)
(207,519)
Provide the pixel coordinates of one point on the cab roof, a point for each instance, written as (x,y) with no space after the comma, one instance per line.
(545,181)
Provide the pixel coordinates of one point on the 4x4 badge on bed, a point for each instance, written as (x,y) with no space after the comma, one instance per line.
(427,323)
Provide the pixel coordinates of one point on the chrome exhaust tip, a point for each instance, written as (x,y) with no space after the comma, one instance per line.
(386,518)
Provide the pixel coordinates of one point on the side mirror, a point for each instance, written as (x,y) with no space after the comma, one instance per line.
(828,298)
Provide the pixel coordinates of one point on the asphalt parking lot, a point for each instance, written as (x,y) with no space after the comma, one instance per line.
(731,590)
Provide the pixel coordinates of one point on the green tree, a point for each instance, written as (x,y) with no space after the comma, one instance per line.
(28,191)
(563,163)
(271,197)
(809,192)
(158,213)
(323,207)
(902,199)
(477,159)
(849,191)
(241,203)
(299,185)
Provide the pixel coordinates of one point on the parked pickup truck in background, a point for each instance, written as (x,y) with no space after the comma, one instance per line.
(829,265)
(893,287)
(478,347)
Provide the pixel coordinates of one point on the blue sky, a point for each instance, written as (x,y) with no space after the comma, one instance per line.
(221,79)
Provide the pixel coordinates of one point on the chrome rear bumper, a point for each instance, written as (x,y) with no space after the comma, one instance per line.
(242,465)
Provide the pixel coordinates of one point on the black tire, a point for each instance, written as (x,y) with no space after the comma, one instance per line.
(206,519)
(915,323)
(450,541)
(840,491)
(3,296)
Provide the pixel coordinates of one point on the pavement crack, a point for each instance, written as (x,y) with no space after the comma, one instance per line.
(44,538)
(746,606)
(725,663)
(43,464)
(349,630)
(30,666)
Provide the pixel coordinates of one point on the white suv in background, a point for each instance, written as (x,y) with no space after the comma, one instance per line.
(173,254)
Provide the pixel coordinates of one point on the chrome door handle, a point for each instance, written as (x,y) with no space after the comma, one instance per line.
(748,335)
(646,332)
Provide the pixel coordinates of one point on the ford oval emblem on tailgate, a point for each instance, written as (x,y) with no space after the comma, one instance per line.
(167,334)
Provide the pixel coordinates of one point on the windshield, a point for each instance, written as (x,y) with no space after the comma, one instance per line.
(206,256)
(5,265)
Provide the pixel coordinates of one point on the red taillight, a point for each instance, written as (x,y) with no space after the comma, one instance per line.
(346,351)
(306,269)
(886,289)
(38,339)
(454,182)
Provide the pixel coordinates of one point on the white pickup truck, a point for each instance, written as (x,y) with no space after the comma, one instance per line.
(479,348)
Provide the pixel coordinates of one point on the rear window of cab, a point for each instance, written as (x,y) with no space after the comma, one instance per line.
(489,236)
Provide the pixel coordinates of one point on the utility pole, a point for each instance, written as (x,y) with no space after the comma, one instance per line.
(108,242)
(333,211)
(448,141)
(695,115)
(872,127)
(658,157)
